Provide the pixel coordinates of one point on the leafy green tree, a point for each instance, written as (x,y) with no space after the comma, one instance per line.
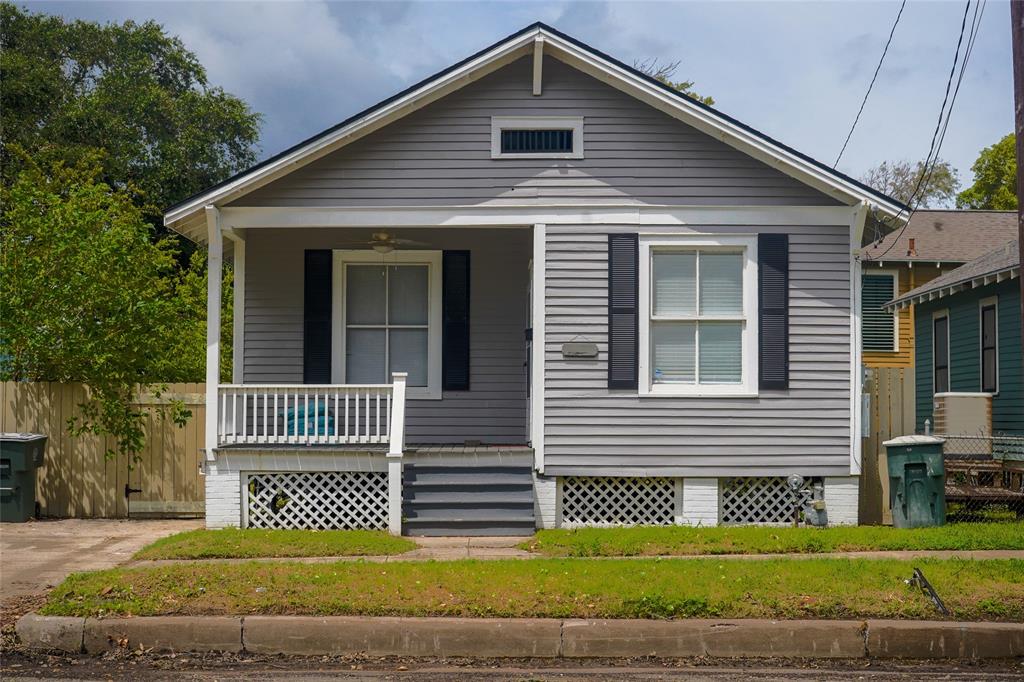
(995,178)
(665,72)
(126,95)
(900,179)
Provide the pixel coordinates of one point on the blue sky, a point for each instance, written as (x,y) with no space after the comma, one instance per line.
(794,70)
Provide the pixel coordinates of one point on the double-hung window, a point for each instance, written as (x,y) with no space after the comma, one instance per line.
(989,346)
(940,352)
(387,313)
(698,316)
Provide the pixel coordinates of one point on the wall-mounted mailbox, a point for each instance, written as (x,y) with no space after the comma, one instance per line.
(579,350)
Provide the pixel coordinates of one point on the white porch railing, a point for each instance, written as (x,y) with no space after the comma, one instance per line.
(312,414)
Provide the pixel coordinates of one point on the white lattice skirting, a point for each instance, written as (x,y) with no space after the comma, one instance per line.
(605,501)
(318,500)
(765,500)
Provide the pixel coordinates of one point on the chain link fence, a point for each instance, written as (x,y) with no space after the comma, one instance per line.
(984,478)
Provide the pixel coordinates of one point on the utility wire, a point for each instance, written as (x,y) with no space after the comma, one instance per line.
(878,68)
(940,125)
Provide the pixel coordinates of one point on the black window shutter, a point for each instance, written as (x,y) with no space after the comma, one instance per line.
(455,321)
(316,322)
(623,304)
(773,310)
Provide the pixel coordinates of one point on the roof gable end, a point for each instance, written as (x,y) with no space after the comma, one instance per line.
(575,54)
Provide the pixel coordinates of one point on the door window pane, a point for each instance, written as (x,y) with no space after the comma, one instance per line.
(408,350)
(364,294)
(364,356)
(721,352)
(673,352)
(407,294)
(721,284)
(675,283)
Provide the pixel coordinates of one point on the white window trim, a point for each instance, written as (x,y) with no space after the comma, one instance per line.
(747,388)
(499,123)
(896,314)
(432,259)
(949,352)
(982,304)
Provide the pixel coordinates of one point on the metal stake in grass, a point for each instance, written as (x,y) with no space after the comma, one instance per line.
(918,580)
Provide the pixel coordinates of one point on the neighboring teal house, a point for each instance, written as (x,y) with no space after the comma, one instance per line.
(968,324)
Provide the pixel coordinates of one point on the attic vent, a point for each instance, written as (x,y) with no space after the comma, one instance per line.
(533,137)
(536,141)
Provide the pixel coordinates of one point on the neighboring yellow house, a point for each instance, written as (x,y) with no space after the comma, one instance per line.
(934,242)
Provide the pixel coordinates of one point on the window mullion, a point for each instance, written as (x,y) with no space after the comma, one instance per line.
(696,324)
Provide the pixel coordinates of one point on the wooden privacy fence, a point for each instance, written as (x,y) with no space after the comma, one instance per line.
(890,395)
(77,480)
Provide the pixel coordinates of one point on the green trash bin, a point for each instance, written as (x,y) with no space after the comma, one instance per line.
(20,455)
(917,481)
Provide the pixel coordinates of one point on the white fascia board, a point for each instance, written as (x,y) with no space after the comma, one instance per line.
(704,120)
(950,289)
(519,215)
(719,128)
(429,92)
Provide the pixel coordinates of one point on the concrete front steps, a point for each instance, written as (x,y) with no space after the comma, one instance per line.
(468,496)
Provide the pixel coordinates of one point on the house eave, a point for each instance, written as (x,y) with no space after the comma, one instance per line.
(915,298)
(730,131)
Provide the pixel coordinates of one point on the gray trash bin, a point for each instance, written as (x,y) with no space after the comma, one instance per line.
(20,455)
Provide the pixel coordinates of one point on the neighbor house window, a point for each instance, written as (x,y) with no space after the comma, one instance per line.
(387,313)
(940,352)
(525,137)
(699,316)
(989,346)
(878,327)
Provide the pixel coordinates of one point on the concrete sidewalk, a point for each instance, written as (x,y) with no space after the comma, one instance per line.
(499,548)
(37,555)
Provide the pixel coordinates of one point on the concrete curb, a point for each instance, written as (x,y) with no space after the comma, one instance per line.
(528,637)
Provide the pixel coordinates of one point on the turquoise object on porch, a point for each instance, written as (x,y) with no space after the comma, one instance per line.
(318,423)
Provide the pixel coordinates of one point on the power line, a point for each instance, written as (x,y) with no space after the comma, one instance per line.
(943,120)
(878,68)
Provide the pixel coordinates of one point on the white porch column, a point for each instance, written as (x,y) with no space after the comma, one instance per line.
(537,306)
(214,273)
(396,447)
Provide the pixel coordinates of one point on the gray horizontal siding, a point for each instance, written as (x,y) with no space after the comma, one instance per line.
(442,155)
(591,430)
(493,411)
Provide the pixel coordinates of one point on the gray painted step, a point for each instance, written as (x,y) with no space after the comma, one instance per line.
(457,499)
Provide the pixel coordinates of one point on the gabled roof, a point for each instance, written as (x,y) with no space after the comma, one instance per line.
(946,236)
(576,54)
(995,266)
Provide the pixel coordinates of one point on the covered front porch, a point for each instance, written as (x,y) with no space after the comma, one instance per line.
(372,381)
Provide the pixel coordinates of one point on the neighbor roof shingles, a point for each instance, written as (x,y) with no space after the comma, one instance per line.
(1006,257)
(947,236)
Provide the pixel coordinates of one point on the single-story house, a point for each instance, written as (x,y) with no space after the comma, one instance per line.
(932,242)
(538,288)
(969,347)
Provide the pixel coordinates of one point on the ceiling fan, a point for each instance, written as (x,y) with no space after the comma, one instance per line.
(384,242)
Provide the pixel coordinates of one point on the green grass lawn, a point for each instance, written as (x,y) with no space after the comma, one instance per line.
(232,543)
(558,588)
(682,540)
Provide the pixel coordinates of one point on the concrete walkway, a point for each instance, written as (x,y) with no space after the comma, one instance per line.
(498,548)
(37,555)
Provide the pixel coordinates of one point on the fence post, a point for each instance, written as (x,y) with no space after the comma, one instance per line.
(396,446)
